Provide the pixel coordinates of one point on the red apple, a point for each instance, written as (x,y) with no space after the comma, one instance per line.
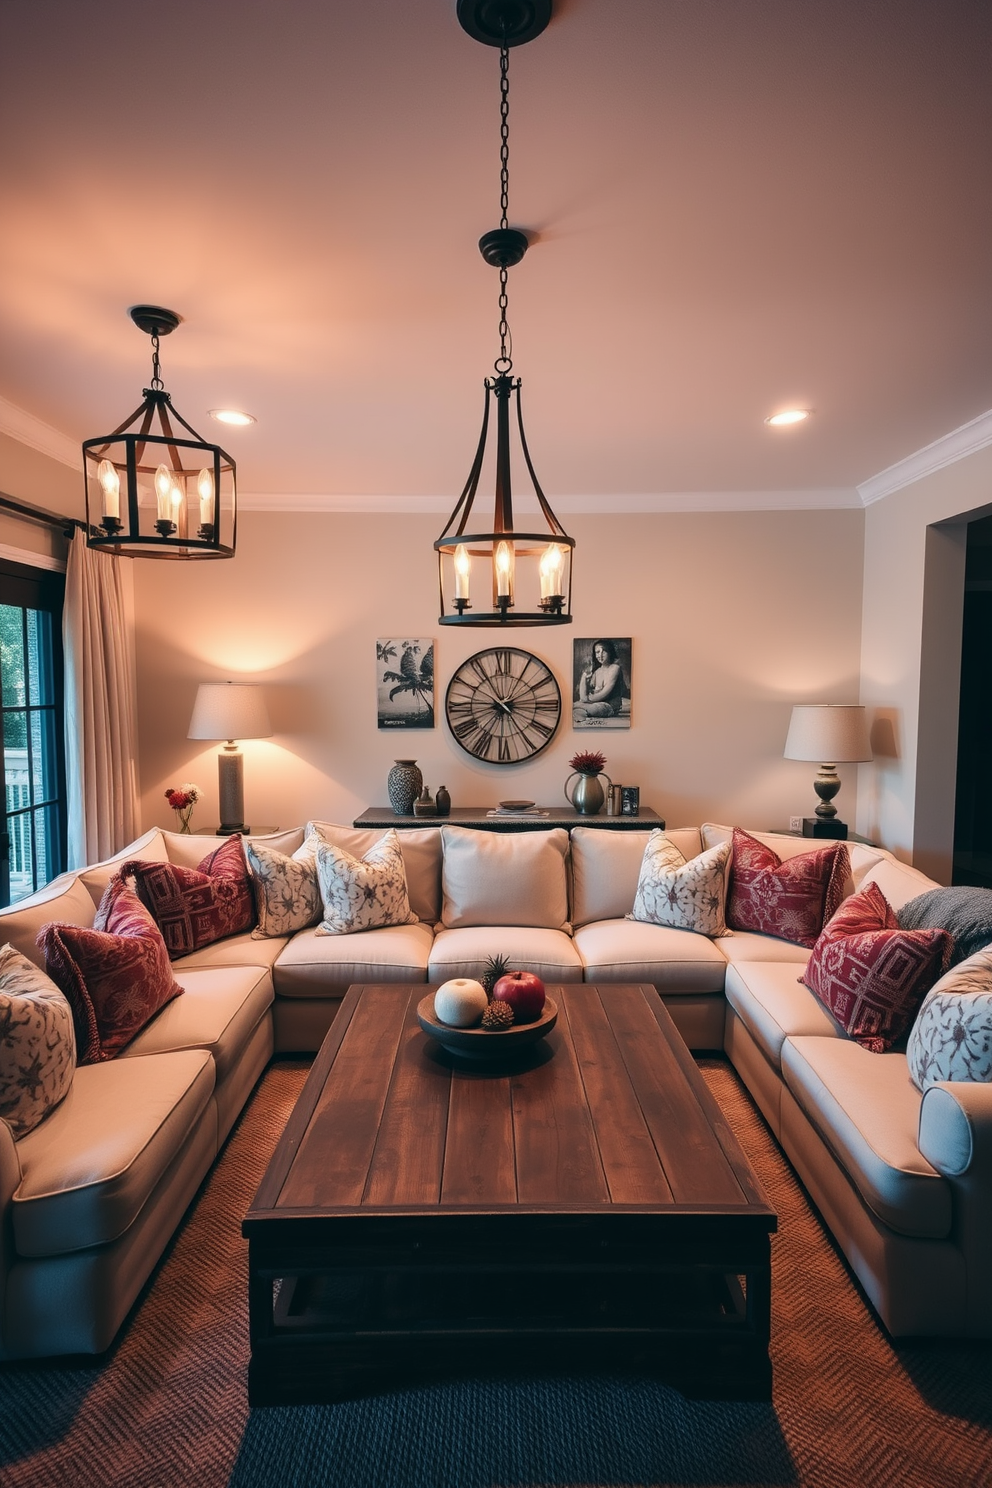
(524,992)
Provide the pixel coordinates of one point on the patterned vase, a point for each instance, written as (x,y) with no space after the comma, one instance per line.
(404,783)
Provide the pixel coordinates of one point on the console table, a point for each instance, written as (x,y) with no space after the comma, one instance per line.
(475,816)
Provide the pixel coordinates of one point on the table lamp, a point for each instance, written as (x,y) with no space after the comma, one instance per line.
(837,732)
(231,711)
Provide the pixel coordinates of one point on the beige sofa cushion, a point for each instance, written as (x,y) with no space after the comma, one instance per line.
(504,878)
(89,1167)
(898,881)
(605,866)
(313,965)
(773,1005)
(631,951)
(749,945)
(233,950)
(151,847)
(65,899)
(421,849)
(218,1013)
(550,954)
(867,1110)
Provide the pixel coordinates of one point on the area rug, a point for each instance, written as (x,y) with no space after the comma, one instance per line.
(168,1405)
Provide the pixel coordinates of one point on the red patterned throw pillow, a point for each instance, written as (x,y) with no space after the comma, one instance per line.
(870,974)
(115,980)
(195,906)
(792,898)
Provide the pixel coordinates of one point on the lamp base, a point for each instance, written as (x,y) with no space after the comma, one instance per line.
(226,830)
(825,826)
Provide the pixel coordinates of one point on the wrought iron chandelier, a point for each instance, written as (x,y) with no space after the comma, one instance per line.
(151,492)
(542,582)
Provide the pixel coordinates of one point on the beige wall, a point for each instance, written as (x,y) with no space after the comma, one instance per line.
(910,663)
(733,617)
(29,476)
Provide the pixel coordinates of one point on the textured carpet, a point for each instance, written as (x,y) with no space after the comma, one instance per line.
(168,1405)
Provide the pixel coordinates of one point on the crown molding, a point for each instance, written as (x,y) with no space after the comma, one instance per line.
(655,501)
(37,435)
(956,445)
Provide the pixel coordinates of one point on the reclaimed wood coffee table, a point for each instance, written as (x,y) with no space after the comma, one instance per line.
(586,1206)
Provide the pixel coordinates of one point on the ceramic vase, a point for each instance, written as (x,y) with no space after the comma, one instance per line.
(404,784)
(587,795)
(442,801)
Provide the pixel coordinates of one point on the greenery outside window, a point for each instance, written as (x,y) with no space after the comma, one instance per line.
(33,839)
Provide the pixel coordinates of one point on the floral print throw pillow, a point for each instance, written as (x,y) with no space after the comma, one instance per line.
(287,894)
(684,894)
(37,1043)
(362,894)
(952,1036)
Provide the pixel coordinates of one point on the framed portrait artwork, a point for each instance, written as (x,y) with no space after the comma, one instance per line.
(601,683)
(405,684)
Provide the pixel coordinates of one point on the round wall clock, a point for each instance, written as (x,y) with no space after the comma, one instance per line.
(503,705)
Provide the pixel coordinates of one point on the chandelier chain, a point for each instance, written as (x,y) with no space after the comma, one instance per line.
(157,382)
(504,362)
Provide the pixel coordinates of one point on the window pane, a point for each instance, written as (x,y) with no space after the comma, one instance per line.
(39,657)
(15,761)
(12,654)
(44,774)
(21,856)
(47,853)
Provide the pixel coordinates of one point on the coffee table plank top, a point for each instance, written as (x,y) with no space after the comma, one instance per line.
(611,1112)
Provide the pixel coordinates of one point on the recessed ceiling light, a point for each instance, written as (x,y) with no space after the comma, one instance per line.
(789,416)
(231,416)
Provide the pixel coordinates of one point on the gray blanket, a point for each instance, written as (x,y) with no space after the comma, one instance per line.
(966,912)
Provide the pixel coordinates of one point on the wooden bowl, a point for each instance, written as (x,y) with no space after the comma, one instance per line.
(485,1043)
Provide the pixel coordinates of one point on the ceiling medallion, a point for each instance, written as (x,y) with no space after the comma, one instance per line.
(151,491)
(537,590)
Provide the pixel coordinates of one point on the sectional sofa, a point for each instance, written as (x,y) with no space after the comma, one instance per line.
(89,1198)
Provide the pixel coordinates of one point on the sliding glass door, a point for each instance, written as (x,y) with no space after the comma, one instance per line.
(32,843)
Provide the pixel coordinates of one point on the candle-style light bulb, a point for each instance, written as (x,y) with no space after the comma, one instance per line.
(551,567)
(503,561)
(177,497)
(107,475)
(463,570)
(205,491)
(163,493)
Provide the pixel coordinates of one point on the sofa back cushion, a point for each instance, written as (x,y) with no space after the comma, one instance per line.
(897,881)
(791,898)
(605,864)
(504,878)
(187,849)
(114,980)
(65,898)
(193,907)
(150,846)
(421,849)
(37,1043)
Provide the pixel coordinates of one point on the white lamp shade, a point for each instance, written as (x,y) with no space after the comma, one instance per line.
(833,733)
(229,710)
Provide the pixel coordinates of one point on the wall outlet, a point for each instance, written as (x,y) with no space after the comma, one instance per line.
(795,823)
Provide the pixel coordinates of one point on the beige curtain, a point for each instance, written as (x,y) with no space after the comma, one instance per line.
(101,730)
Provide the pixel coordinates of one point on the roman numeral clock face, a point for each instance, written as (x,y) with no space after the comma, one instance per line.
(503,705)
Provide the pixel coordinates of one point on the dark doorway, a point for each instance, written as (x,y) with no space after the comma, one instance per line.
(973,798)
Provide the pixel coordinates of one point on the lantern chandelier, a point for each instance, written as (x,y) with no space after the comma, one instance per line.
(151,492)
(542,584)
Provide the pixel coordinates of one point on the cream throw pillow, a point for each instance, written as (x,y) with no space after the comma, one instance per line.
(361,894)
(37,1043)
(287,894)
(952,1036)
(683,894)
(504,878)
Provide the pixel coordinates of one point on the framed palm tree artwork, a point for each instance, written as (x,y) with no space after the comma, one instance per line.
(405,684)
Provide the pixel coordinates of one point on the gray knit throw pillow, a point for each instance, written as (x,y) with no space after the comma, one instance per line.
(965,911)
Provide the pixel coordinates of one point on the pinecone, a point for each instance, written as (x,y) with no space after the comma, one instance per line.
(496,967)
(497,1015)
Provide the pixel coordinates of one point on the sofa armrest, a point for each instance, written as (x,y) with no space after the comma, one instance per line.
(956,1128)
(956,1137)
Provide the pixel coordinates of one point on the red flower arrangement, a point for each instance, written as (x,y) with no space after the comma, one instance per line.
(182,799)
(588,762)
